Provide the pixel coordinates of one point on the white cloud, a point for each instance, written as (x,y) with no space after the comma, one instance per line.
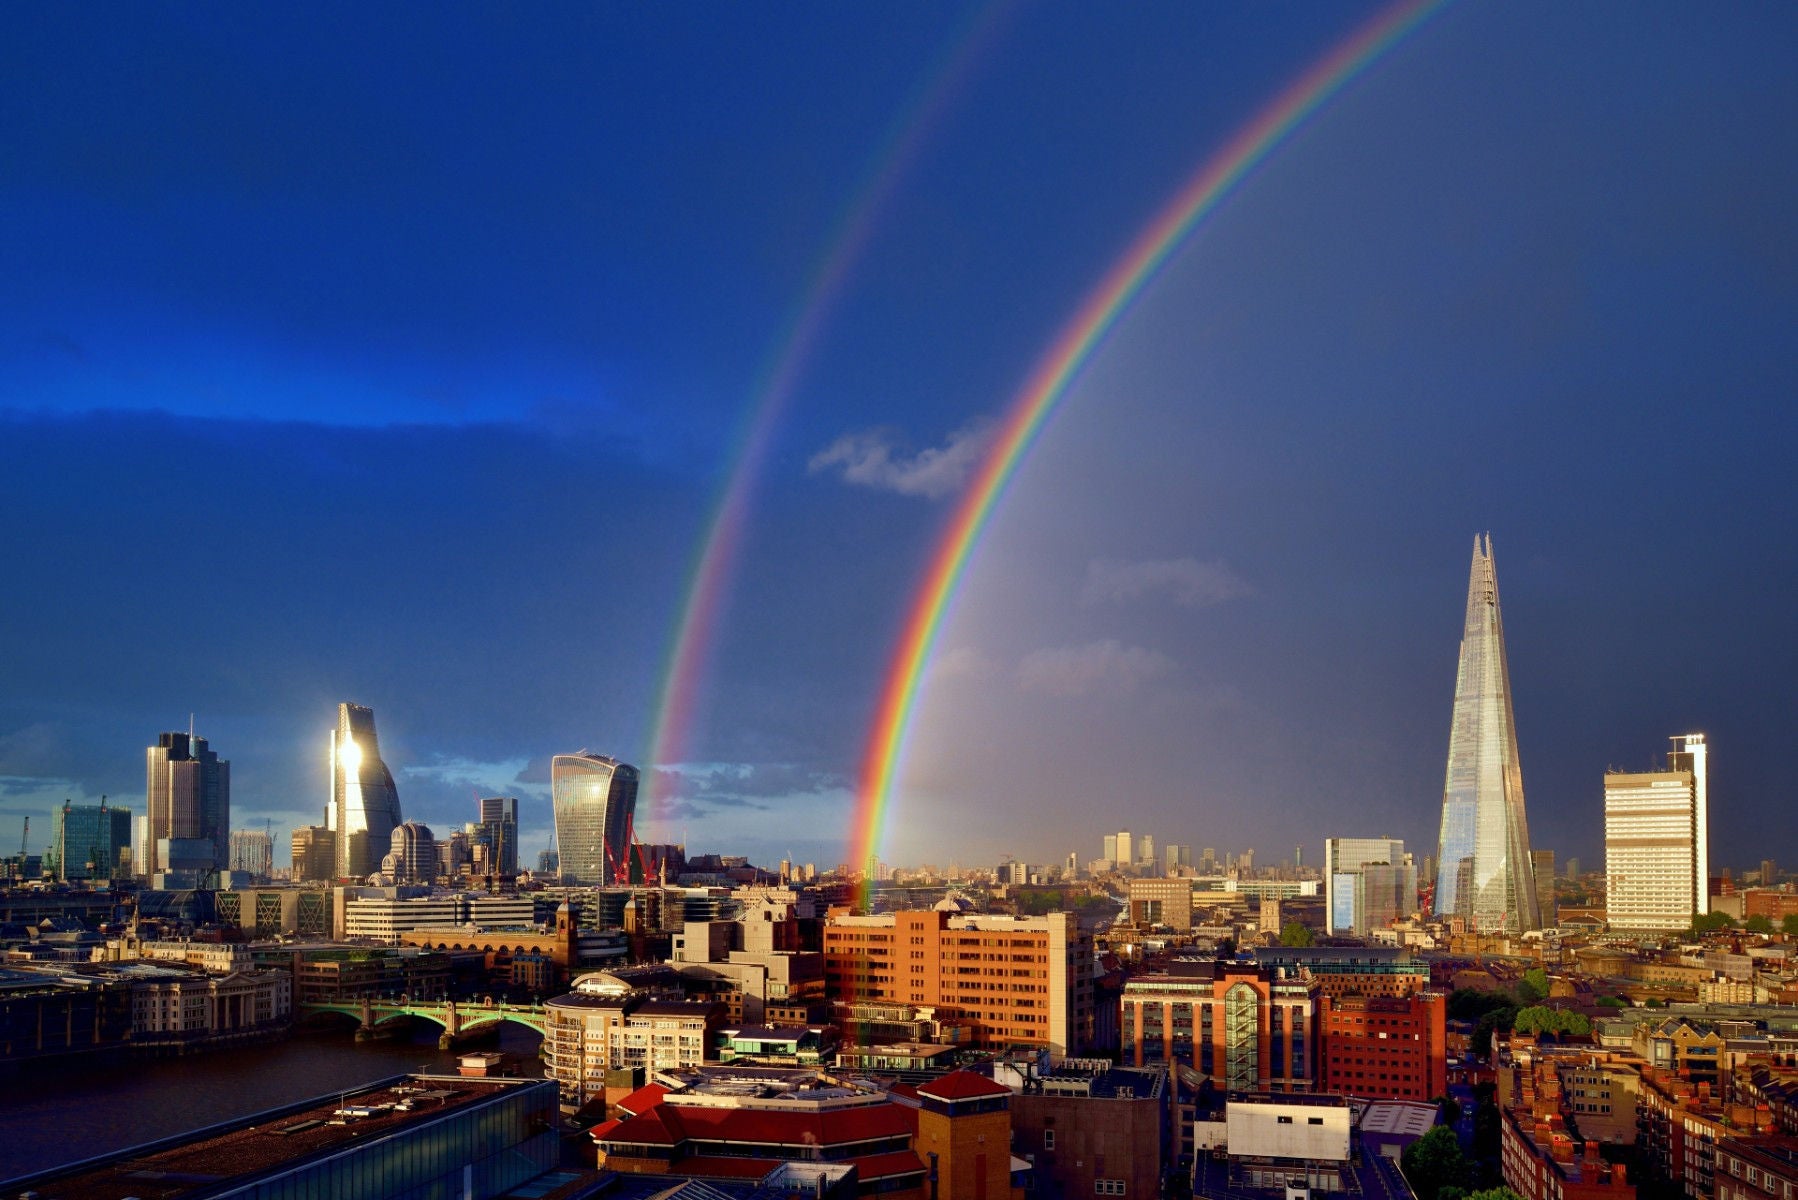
(1191,583)
(1105,666)
(874,459)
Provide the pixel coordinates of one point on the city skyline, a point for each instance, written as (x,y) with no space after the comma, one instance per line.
(447,407)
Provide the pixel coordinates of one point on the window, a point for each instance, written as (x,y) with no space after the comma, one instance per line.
(1314,1120)
(1108,1187)
(1048,1139)
(1285,1120)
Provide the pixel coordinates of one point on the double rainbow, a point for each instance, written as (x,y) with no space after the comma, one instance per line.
(1049,381)
(690,648)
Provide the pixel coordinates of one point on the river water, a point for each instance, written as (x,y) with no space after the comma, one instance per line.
(63,1112)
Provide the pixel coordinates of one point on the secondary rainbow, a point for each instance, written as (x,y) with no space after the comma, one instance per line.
(690,648)
(1048,382)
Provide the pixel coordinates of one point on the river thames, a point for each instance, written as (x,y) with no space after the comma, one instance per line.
(64,1112)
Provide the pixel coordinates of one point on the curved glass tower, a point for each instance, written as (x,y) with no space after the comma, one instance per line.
(595,798)
(365,806)
(1483,870)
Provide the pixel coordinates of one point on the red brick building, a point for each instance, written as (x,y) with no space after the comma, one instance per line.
(1383,1047)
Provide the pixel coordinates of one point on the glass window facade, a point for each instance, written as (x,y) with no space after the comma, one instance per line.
(595,800)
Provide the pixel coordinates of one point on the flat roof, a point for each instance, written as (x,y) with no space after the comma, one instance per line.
(202,1162)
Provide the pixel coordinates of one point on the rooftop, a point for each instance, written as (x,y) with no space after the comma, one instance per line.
(198,1164)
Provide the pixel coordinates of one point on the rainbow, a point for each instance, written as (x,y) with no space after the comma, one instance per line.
(1048,383)
(690,645)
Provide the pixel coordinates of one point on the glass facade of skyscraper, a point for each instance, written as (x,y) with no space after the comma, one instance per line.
(595,799)
(1483,870)
(365,806)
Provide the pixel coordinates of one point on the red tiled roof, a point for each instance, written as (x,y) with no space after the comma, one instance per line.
(669,1124)
(600,1130)
(642,1100)
(962,1085)
(881,1166)
(660,1126)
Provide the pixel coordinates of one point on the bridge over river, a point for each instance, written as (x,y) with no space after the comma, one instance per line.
(461,1019)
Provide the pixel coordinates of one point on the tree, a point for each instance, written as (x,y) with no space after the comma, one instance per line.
(1788,925)
(1539,1019)
(1537,978)
(1294,934)
(1711,922)
(1450,1110)
(1610,1002)
(1758,923)
(1435,1162)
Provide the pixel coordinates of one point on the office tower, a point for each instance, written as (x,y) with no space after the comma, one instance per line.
(1170,858)
(90,839)
(187,798)
(1109,850)
(549,862)
(1126,848)
(253,852)
(1384,893)
(1656,876)
(1208,861)
(365,806)
(1072,867)
(1145,850)
(594,798)
(1542,865)
(499,820)
(1769,872)
(1573,868)
(412,854)
(1245,862)
(1483,855)
(314,854)
(1344,859)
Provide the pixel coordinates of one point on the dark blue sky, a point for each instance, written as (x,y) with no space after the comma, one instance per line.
(395,356)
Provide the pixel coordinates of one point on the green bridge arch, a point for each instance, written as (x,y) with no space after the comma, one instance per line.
(458,1020)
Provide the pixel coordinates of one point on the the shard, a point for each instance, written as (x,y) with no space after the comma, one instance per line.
(1483,869)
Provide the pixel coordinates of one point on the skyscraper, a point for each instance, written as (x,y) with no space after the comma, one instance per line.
(499,822)
(187,798)
(1656,862)
(1344,861)
(89,839)
(1483,871)
(595,799)
(253,852)
(314,854)
(365,806)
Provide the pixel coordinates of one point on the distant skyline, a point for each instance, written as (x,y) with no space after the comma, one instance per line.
(398,358)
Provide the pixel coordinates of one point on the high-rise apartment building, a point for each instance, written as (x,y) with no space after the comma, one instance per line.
(1013,981)
(314,854)
(499,824)
(253,852)
(595,800)
(187,798)
(365,806)
(1344,859)
(89,840)
(1483,873)
(1655,847)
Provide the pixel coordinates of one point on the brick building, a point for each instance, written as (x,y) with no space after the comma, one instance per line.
(1011,981)
(1382,1047)
(1245,1027)
(1541,1161)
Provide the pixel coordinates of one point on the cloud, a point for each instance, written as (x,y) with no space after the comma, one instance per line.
(1105,666)
(962,662)
(35,750)
(874,459)
(1191,583)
